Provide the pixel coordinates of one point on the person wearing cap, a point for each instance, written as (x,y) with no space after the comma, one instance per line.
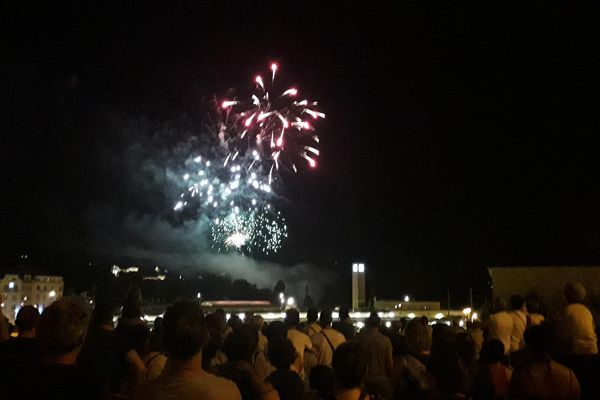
(576,324)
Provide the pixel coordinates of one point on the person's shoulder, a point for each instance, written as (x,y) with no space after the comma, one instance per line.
(210,386)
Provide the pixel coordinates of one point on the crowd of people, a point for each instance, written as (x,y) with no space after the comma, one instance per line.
(69,352)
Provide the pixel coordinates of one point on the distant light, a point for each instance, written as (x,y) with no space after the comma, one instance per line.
(360,324)
(198,295)
(52,293)
(406,298)
(354,267)
(388,324)
(11,285)
(461,323)
(474,316)
(380,314)
(361,267)
(467,311)
(281,295)
(411,315)
(157,269)
(227,316)
(290,301)
(439,315)
(25,298)
(391,314)
(242,316)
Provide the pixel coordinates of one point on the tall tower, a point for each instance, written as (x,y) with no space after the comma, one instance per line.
(358,286)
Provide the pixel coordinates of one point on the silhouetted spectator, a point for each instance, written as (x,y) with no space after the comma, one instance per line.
(20,355)
(576,324)
(543,378)
(287,381)
(322,383)
(326,340)
(500,325)
(349,366)
(183,377)
(534,317)
(60,332)
(344,324)
(519,318)
(312,325)
(492,380)
(377,349)
(240,347)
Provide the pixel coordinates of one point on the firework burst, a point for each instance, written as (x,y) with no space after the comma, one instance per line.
(275,124)
(233,188)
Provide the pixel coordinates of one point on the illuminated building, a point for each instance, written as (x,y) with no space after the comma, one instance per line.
(358,286)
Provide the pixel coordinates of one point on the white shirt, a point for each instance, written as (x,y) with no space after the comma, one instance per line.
(517,341)
(313,328)
(300,340)
(577,329)
(322,346)
(501,325)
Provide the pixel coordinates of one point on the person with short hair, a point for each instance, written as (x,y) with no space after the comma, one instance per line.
(240,347)
(519,318)
(344,324)
(60,333)
(577,333)
(377,349)
(106,356)
(322,383)
(543,378)
(183,377)
(285,379)
(300,340)
(492,380)
(20,355)
(500,325)
(313,327)
(534,317)
(327,340)
(350,367)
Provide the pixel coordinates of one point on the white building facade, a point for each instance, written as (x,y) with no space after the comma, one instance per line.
(18,290)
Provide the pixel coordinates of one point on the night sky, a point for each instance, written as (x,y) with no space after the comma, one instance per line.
(456,138)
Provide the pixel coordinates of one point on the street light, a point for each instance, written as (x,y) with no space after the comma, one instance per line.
(52,294)
(290,301)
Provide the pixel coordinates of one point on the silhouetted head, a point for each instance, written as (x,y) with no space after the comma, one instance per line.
(574,292)
(184,330)
(516,302)
(349,365)
(325,318)
(374,321)
(241,343)
(27,319)
(281,353)
(62,327)
(292,317)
